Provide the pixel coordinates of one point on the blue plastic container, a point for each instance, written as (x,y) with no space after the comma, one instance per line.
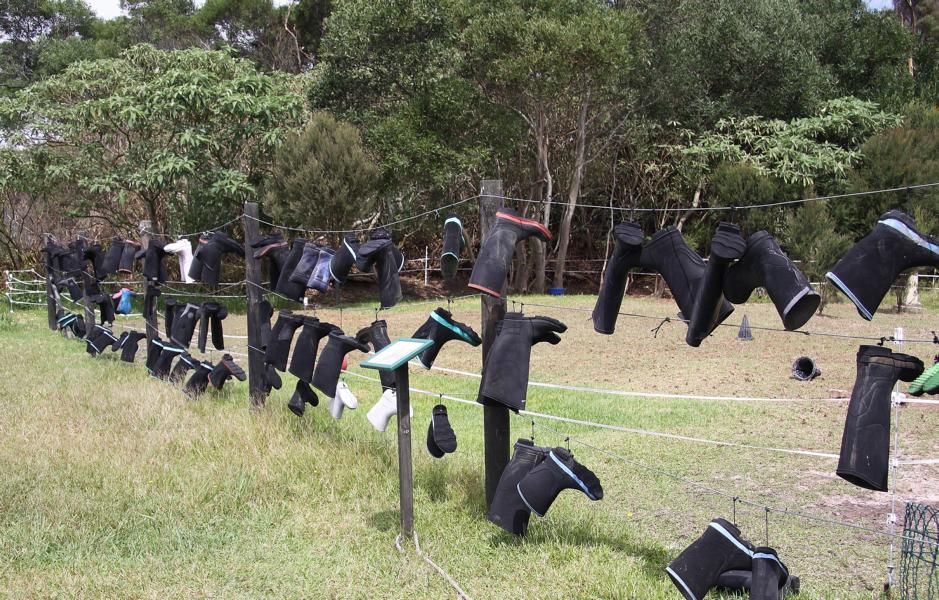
(555,291)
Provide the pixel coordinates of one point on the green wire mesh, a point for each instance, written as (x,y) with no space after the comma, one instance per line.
(919,579)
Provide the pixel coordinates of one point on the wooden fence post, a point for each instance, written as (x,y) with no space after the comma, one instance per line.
(496,427)
(256,392)
(52,307)
(87,281)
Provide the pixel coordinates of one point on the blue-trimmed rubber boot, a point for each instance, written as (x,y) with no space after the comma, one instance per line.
(440,327)
(867,271)
(453,244)
(769,575)
(720,548)
(558,472)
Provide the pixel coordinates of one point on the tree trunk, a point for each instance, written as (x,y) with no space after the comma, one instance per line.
(573,193)
(695,203)
(539,248)
(912,292)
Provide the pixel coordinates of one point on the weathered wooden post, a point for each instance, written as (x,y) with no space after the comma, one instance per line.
(51,291)
(256,392)
(150,289)
(496,428)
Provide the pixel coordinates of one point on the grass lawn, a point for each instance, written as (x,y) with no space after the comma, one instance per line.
(115,485)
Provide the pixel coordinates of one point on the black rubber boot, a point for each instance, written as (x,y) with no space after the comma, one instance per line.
(184,324)
(440,437)
(303,394)
(867,271)
(720,548)
(74,290)
(306,347)
(626,254)
(170,308)
(865,444)
(329,365)
(128,256)
(163,364)
(199,381)
(681,268)
(98,339)
(558,472)
(211,315)
(266,311)
(740,581)
(765,265)
(185,364)
(207,259)
(112,257)
(507,510)
(225,370)
(379,253)
(78,327)
(440,327)
(274,249)
(769,575)
(284,286)
(805,369)
(119,342)
(278,349)
(505,374)
(95,257)
(453,244)
(344,258)
(726,246)
(153,268)
(154,350)
(376,335)
(130,344)
(498,249)
(105,307)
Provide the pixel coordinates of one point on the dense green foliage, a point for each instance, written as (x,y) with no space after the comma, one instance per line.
(631,103)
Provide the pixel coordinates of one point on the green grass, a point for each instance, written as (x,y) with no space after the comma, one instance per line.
(116,485)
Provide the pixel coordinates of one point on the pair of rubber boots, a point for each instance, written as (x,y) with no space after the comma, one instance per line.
(866,272)
(440,327)
(206,265)
(927,383)
(704,291)
(379,254)
(303,361)
(312,270)
(865,443)
(498,249)
(505,372)
(98,339)
(717,558)
(531,482)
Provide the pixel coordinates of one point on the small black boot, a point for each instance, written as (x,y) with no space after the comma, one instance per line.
(626,254)
(558,472)
(376,334)
(865,444)
(498,249)
(206,263)
(765,264)
(128,257)
(507,510)
(163,364)
(199,381)
(726,246)
(380,253)
(184,324)
(440,437)
(266,311)
(170,308)
(720,548)
(225,370)
(867,271)
(345,257)
(681,268)
(769,575)
(306,347)
(274,249)
(211,315)
(453,244)
(440,327)
(153,268)
(284,286)
(185,364)
(112,257)
(740,581)
(130,344)
(329,365)
(303,394)
(278,348)
(505,374)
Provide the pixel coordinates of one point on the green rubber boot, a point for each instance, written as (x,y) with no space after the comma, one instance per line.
(921,385)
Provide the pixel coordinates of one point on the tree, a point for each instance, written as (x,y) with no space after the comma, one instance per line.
(257,29)
(811,236)
(322,177)
(184,137)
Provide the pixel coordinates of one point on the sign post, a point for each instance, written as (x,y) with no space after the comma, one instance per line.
(394,357)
